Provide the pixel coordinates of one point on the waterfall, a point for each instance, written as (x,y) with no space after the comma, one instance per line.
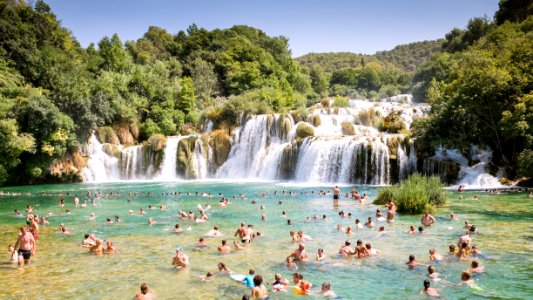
(168,167)
(258,142)
(199,159)
(101,167)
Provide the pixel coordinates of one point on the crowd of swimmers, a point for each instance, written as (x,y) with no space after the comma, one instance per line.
(26,243)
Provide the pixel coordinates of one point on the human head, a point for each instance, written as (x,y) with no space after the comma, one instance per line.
(251,272)
(347,243)
(224,242)
(326,286)
(258,280)
(466,276)
(277,276)
(420,229)
(431,269)
(426,284)
(368,246)
(144,288)
(411,257)
(431,251)
(359,242)
(475,264)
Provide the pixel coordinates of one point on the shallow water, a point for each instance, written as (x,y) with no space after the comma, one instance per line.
(61,269)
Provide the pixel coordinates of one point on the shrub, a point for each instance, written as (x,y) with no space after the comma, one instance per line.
(525,163)
(393,123)
(106,134)
(415,194)
(341,101)
(303,130)
(149,128)
(347,128)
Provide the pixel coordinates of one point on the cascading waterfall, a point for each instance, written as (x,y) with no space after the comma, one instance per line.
(168,167)
(345,148)
(256,145)
(101,167)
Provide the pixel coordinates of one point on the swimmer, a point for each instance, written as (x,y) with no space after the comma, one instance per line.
(339,227)
(452,249)
(320,254)
(453,216)
(109,221)
(358,224)
(349,230)
(97,248)
(427,219)
(263,217)
(201,243)
(369,223)
(371,251)
(346,250)
(299,254)
(151,221)
(412,263)
(180,260)
(434,256)
(278,284)
(145,294)
(224,248)
(421,230)
(463,252)
(142,212)
(465,279)
(213,232)
(289,263)
(177,229)
(431,273)
(300,283)
(412,230)
(431,292)
(361,250)
(242,232)
(110,248)
(117,219)
(475,268)
(88,242)
(391,211)
(207,276)
(327,292)
(64,229)
(465,239)
(249,279)
(237,246)
(222,268)
(259,291)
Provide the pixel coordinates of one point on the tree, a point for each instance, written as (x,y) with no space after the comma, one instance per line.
(187,97)
(114,56)
(205,80)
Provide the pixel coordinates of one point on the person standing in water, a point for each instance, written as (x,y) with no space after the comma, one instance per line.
(336,195)
(26,241)
(144,294)
(427,219)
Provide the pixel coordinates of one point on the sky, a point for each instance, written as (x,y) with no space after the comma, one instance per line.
(356,26)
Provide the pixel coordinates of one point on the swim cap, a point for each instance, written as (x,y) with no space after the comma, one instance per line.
(178,248)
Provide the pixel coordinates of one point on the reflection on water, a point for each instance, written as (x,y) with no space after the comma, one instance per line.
(62,269)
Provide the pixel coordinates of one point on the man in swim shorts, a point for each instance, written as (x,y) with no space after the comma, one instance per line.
(336,195)
(26,241)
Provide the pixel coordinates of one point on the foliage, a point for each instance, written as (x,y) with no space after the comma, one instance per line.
(347,128)
(415,194)
(304,130)
(393,123)
(525,163)
(341,101)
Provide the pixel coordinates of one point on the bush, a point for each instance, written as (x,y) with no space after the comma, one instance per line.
(106,134)
(347,128)
(149,128)
(341,101)
(303,130)
(525,163)
(414,195)
(393,123)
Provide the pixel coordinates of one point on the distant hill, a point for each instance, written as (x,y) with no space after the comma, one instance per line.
(404,57)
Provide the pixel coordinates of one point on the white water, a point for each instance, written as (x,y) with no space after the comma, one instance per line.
(263,147)
(168,168)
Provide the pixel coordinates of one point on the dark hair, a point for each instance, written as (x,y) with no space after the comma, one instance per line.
(144,288)
(411,257)
(258,280)
(426,284)
(86,235)
(475,264)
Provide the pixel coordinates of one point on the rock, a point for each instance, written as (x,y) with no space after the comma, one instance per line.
(304,130)
(112,150)
(106,134)
(157,142)
(124,134)
(184,167)
(220,143)
(315,120)
(347,128)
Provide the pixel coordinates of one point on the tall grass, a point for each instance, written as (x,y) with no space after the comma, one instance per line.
(415,194)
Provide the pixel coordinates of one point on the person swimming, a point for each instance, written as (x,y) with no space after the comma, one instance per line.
(432,292)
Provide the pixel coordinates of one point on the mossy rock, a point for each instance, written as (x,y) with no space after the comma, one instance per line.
(106,134)
(134,130)
(304,130)
(296,116)
(315,120)
(112,150)
(392,144)
(184,167)
(124,134)
(78,160)
(220,143)
(286,127)
(393,123)
(347,128)
(157,142)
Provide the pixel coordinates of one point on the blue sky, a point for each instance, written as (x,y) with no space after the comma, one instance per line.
(311,25)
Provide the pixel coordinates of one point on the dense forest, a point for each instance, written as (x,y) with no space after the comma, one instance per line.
(54,93)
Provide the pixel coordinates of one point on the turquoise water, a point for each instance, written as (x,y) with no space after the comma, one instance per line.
(61,269)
